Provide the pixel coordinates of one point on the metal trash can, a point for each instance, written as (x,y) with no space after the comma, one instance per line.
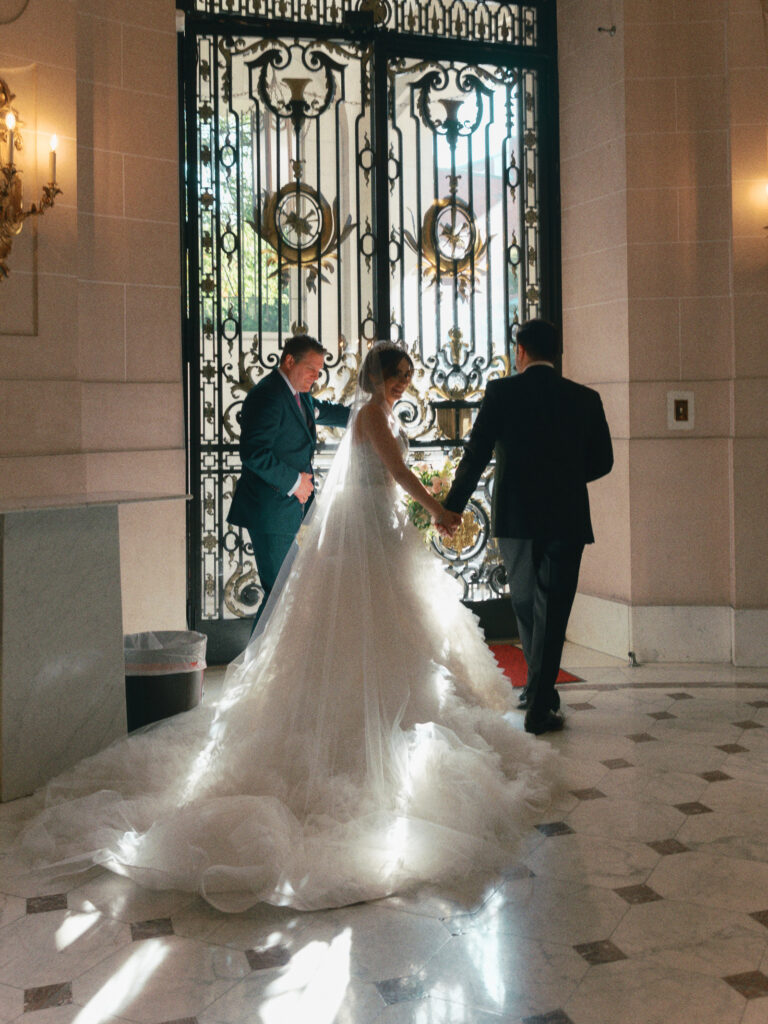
(163,674)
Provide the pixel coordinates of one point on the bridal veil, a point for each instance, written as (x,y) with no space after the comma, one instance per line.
(360,747)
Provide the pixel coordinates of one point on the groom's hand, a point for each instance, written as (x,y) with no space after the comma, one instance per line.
(448,523)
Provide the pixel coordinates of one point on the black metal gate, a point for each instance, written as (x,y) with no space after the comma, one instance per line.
(358,169)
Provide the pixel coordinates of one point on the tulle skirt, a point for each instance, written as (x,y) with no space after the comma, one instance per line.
(364,744)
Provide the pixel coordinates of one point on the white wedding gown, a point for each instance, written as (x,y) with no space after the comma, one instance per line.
(360,747)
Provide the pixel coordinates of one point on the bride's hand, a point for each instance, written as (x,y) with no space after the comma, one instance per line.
(447,523)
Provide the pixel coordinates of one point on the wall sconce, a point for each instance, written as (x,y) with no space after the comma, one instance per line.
(12,212)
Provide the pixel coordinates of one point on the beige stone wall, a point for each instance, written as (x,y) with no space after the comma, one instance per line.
(90,346)
(748,141)
(666,124)
(594,236)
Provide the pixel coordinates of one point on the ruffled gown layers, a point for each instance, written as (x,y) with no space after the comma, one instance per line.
(360,747)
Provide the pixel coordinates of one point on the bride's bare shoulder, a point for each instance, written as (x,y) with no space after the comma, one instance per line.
(371,419)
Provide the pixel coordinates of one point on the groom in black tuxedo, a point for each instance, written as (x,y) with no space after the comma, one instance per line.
(550,437)
(277,442)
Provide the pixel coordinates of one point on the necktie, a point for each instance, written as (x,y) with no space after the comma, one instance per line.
(301,408)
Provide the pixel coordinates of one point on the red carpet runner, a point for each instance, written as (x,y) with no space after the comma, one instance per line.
(512,664)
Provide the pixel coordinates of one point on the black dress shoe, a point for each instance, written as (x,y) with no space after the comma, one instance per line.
(522,701)
(553,721)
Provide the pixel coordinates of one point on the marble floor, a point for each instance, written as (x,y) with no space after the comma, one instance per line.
(641,897)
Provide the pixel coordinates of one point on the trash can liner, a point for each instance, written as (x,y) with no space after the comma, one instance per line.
(163,674)
(164,652)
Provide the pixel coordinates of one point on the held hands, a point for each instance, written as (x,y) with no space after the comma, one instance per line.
(447,523)
(305,488)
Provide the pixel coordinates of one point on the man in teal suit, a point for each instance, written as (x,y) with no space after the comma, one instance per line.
(277,442)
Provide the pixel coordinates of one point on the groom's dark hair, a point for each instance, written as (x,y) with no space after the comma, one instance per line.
(299,345)
(540,339)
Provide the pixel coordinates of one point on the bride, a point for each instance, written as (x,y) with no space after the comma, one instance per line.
(360,747)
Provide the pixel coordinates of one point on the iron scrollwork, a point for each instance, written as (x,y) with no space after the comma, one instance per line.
(302,150)
(493,21)
(299,224)
(457,256)
(450,243)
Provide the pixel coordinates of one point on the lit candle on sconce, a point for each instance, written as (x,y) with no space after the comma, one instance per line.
(14,213)
(52,160)
(10,124)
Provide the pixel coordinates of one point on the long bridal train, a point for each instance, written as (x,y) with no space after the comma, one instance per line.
(361,746)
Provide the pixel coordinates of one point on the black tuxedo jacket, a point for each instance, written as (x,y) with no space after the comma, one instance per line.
(551,437)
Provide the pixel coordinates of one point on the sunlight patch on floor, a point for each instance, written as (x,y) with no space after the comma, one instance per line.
(124,986)
(318,978)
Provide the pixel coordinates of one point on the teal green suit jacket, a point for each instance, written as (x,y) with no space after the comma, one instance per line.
(277,442)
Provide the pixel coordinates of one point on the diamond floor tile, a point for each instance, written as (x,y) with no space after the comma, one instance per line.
(47,996)
(603,952)
(750,984)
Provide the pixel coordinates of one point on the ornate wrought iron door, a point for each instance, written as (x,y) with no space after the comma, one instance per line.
(358,170)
